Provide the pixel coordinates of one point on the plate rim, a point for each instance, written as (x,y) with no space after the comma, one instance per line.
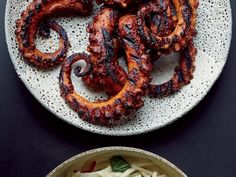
(230,20)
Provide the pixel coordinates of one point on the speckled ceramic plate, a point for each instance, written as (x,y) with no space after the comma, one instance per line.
(212,41)
(104,154)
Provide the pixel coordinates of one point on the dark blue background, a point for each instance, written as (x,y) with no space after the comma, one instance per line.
(33,141)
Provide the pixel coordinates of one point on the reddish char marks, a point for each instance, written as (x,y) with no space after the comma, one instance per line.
(30,24)
(141,31)
(182,75)
(106,74)
(125,101)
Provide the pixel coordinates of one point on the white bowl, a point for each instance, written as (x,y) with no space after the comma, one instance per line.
(79,160)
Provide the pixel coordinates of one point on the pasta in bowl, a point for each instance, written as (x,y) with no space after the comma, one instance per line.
(117,162)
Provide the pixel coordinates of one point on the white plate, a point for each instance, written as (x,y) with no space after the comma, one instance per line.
(213,42)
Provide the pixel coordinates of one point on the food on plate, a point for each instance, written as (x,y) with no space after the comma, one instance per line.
(119,3)
(35,18)
(103,47)
(139,31)
(130,96)
(184,72)
(182,76)
(118,166)
(184,29)
(163,24)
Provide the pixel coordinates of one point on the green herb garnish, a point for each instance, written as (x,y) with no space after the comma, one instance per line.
(119,164)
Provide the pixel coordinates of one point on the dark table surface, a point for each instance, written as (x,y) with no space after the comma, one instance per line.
(33,141)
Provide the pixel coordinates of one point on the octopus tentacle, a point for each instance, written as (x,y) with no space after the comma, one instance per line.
(190,16)
(163,24)
(44,29)
(130,96)
(119,3)
(130,5)
(185,27)
(182,75)
(77,70)
(106,74)
(29,24)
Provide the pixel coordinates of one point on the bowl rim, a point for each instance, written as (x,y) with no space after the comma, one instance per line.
(118,148)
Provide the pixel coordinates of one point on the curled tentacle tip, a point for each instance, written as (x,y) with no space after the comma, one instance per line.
(77,71)
(44,30)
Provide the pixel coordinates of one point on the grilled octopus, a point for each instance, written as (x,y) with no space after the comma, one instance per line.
(184,29)
(163,23)
(33,19)
(157,28)
(182,76)
(118,3)
(184,72)
(106,74)
(126,4)
(129,98)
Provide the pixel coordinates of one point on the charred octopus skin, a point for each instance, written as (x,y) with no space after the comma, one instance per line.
(182,76)
(119,3)
(31,22)
(130,96)
(163,24)
(183,32)
(106,74)
(127,3)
